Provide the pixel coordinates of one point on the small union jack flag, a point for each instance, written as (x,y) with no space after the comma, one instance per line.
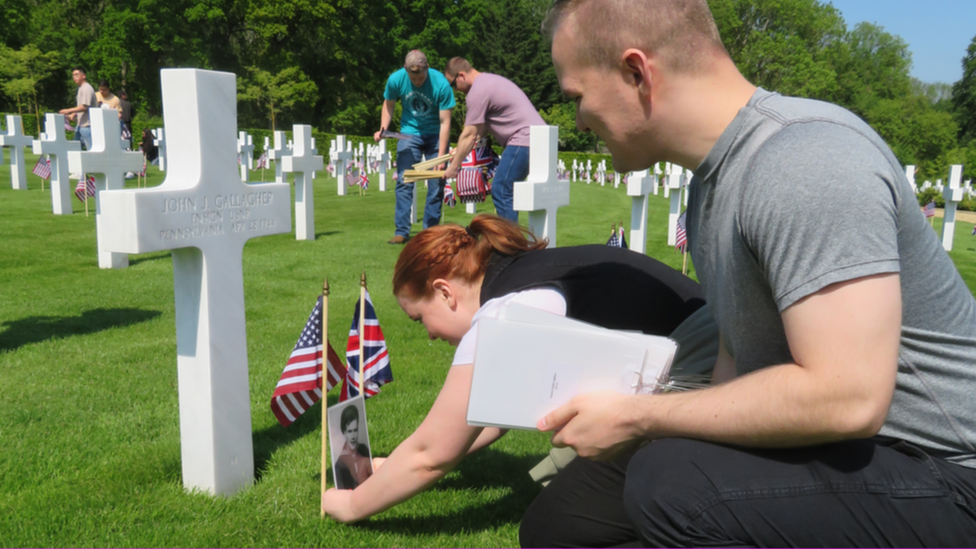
(300,385)
(450,199)
(363,180)
(378,371)
(43,167)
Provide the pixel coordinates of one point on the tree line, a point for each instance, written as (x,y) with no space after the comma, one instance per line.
(325,62)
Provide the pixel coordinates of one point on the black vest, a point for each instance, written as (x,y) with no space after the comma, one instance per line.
(610,287)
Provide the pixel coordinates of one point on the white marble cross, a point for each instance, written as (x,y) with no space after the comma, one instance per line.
(159,139)
(245,148)
(639,185)
(910,174)
(684,186)
(952,195)
(205,214)
(543,193)
(665,179)
(674,186)
(384,158)
(589,169)
(54,144)
(342,158)
(108,162)
(575,168)
(279,151)
(15,139)
(303,162)
(315,152)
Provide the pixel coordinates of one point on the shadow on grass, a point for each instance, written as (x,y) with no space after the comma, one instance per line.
(486,469)
(148,257)
(267,441)
(34,329)
(327,233)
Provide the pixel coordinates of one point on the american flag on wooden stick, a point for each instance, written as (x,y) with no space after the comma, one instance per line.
(680,235)
(85,186)
(300,385)
(43,167)
(929,209)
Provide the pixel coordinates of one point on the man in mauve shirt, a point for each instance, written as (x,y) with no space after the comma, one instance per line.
(496,105)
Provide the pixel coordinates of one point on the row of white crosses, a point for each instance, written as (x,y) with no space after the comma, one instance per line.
(16,141)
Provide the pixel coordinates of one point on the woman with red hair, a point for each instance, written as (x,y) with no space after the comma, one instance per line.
(449,277)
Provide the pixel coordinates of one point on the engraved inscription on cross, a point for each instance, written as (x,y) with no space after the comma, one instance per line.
(303,162)
(108,162)
(544,192)
(54,144)
(245,148)
(639,185)
(342,158)
(953,195)
(17,141)
(205,214)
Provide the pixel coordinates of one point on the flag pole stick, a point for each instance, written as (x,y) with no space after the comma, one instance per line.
(362,335)
(684,262)
(325,373)
(84,178)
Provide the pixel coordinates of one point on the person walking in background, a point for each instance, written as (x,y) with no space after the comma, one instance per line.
(427,102)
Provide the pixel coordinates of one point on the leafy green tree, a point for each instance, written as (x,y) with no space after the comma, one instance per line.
(23,70)
(964,95)
(570,138)
(278,94)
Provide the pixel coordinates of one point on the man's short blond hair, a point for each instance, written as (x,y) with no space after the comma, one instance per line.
(416,61)
(681,32)
(457,65)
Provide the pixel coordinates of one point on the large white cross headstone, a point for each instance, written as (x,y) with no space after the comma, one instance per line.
(952,195)
(684,186)
(639,185)
(303,162)
(589,168)
(245,148)
(315,152)
(332,155)
(342,158)
(673,187)
(543,193)
(910,174)
(159,139)
(17,141)
(205,214)
(108,162)
(657,178)
(54,144)
(575,168)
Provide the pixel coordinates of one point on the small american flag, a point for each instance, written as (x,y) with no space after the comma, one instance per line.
(680,236)
(378,371)
(614,241)
(623,239)
(450,199)
(929,209)
(262,162)
(85,187)
(300,385)
(43,167)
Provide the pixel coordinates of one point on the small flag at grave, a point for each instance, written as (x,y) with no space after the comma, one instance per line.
(363,180)
(43,167)
(974,230)
(929,209)
(300,385)
(262,163)
(623,239)
(614,241)
(681,236)
(378,371)
(88,184)
(450,199)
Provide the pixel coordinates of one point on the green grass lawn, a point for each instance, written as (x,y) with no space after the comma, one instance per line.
(89,426)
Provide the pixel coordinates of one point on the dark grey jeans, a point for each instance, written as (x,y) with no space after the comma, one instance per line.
(687,493)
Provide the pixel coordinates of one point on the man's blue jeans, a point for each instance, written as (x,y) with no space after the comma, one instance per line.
(514,166)
(409,152)
(83,134)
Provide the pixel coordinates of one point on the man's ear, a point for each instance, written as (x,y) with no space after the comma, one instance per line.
(636,66)
(444,290)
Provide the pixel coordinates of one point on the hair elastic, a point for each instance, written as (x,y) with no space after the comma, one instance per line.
(470,232)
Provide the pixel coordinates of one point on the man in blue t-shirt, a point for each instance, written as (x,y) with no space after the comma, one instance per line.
(427,102)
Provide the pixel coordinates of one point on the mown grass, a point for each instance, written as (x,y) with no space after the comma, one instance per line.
(89,427)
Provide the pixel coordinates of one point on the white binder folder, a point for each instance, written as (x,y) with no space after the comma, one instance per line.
(529,362)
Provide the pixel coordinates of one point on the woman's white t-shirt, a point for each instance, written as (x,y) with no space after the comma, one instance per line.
(546,299)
